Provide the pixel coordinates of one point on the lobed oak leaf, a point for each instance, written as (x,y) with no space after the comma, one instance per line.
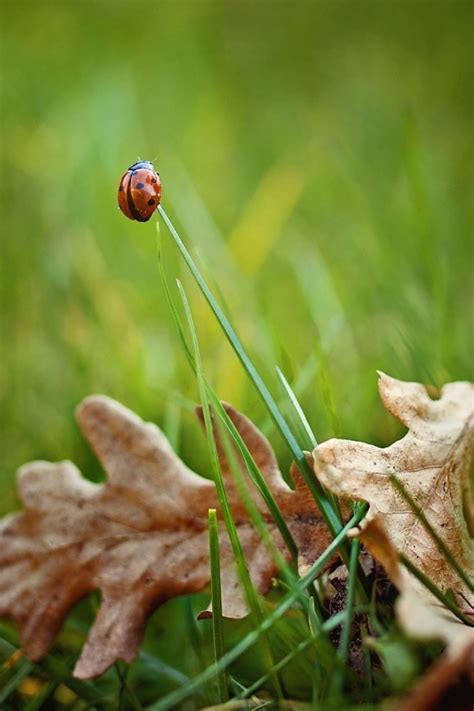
(434,463)
(140,538)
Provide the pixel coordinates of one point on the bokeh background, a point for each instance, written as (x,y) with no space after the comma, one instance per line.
(316,156)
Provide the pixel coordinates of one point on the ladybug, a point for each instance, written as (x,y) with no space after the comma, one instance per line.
(139,192)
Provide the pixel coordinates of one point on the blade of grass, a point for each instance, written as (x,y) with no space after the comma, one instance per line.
(244,576)
(165,670)
(125,692)
(303,379)
(237,687)
(337,682)
(288,573)
(315,619)
(171,700)
(312,442)
(311,439)
(367,658)
(347,628)
(218,480)
(327,510)
(246,498)
(199,659)
(170,301)
(172,424)
(359,573)
(255,474)
(435,590)
(12,658)
(329,625)
(38,701)
(216,597)
(450,558)
(316,627)
(59,670)
(372,617)
(24,669)
(56,668)
(279,666)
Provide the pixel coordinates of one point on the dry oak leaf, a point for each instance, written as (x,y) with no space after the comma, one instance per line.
(140,538)
(434,462)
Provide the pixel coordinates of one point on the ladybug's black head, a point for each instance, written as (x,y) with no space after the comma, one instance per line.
(139,165)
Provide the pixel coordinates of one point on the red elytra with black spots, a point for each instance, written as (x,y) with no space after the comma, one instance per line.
(139,192)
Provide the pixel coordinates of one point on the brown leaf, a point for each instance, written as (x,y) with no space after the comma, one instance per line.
(140,538)
(434,463)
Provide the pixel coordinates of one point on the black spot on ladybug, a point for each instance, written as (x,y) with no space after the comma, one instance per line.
(140,186)
(151,201)
(153,180)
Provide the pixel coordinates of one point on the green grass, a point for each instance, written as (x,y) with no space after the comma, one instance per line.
(318,164)
(216,601)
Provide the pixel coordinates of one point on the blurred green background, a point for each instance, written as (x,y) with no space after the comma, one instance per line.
(317,157)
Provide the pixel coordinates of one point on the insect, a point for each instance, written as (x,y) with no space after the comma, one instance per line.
(139,192)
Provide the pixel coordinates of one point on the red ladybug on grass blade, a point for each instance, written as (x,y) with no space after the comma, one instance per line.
(139,192)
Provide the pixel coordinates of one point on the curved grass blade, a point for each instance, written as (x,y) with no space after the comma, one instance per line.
(311,439)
